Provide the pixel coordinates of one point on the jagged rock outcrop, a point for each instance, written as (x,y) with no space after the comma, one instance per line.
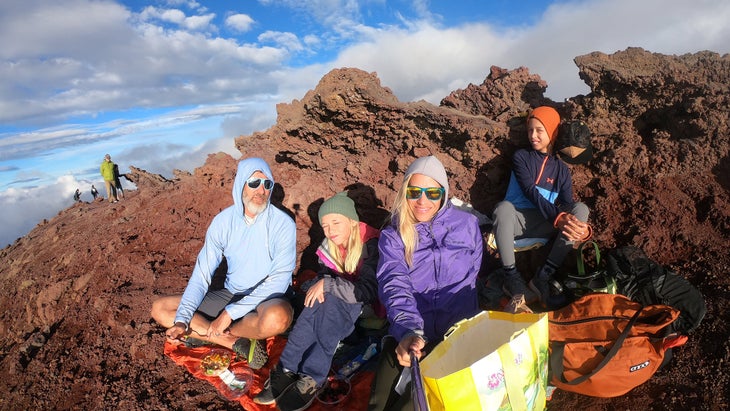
(75,331)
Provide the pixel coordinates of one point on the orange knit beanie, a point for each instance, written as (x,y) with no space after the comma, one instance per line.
(549,118)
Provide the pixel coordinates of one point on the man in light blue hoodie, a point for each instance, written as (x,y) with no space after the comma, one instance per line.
(258,242)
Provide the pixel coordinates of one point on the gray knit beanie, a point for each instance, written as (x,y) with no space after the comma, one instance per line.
(340,203)
(430,166)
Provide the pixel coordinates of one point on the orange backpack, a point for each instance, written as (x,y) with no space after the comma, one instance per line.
(603,345)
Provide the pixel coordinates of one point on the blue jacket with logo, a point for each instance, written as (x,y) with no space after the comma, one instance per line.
(541,181)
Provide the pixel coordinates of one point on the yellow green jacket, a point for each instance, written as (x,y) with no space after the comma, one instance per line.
(107,170)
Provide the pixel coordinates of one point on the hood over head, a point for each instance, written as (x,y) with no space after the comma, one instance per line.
(246,168)
(430,166)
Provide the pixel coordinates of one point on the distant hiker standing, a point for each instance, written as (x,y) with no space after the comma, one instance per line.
(118,182)
(107,171)
(77,195)
(94,193)
(539,203)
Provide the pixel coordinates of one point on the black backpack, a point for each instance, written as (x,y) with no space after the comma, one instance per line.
(574,142)
(647,282)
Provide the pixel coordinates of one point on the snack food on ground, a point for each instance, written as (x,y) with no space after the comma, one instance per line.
(215,363)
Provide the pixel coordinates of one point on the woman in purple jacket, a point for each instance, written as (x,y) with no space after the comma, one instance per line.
(430,254)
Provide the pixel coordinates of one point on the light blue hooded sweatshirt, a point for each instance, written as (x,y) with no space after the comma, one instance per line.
(261,256)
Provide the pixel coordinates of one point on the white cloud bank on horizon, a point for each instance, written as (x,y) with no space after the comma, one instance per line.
(36,204)
(75,59)
(24,208)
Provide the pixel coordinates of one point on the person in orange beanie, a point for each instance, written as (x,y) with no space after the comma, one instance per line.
(539,203)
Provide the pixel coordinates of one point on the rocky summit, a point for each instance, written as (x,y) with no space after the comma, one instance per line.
(75,329)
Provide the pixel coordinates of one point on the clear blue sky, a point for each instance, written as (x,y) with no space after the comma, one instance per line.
(161,84)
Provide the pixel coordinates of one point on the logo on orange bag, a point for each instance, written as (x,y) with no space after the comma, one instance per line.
(639,366)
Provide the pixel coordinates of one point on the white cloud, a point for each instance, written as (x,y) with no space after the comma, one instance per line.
(191,4)
(34,205)
(406,61)
(64,137)
(248,121)
(72,58)
(199,23)
(240,22)
(311,40)
(178,17)
(323,11)
(171,16)
(288,41)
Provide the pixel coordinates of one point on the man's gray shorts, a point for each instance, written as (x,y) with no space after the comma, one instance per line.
(215,301)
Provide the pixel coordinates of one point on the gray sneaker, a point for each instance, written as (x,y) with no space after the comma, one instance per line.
(253,351)
(300,396)
(515,285)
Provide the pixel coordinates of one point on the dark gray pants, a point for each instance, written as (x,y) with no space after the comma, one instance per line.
(511,223)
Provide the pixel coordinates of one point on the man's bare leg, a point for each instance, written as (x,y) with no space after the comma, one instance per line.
(271,317)
(164,309)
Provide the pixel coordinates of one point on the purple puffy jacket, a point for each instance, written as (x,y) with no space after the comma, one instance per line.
(440,288)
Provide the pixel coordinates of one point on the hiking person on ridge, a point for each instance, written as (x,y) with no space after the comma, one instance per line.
(107,172)
(118,182)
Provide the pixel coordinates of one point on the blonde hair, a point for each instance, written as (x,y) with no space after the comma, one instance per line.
(349,263)
(406,222)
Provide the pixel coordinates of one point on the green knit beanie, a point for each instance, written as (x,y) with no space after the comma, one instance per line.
(340,203)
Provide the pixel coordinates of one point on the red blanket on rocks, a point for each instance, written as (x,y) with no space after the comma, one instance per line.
(190,359)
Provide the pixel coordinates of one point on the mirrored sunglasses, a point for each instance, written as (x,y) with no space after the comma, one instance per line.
(254,183)
(432,193)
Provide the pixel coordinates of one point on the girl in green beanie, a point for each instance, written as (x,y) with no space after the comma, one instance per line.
(348,259)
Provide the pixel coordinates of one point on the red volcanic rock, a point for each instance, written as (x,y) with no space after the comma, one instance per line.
(75,330)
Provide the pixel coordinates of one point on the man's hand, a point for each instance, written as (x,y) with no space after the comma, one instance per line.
(410,342)
(219,326)
(177,330)
(315,293)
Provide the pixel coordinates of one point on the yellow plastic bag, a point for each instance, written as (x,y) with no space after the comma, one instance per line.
(492,361)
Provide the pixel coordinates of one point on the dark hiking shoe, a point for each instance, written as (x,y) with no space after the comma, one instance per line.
(266,396)
(549,291)
(253,351)
(278,383)
(299,396)
(514,285)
